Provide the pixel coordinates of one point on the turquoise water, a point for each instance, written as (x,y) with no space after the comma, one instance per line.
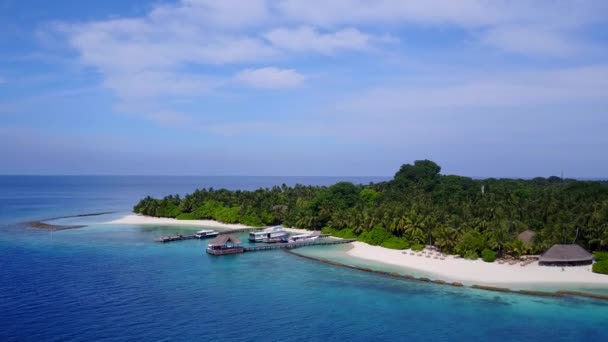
(113,283)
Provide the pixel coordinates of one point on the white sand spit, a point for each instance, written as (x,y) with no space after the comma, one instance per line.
(148,220)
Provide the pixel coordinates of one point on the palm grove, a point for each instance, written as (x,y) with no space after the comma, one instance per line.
(418,206)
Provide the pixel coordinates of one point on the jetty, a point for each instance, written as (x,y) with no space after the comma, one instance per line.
(172,238)
(291,245)
(181,237)
(228,244)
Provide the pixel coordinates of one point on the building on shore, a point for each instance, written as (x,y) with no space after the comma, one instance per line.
(225,244)
(566,255)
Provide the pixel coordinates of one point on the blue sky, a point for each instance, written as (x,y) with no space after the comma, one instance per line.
(294,87)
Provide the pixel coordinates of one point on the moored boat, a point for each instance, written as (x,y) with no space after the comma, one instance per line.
(272,234)
(203,234)
(305,237)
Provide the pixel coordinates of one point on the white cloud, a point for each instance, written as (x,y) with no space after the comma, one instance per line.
(270,78)
(533,41)
(173,50)
(306,38)
(574,85)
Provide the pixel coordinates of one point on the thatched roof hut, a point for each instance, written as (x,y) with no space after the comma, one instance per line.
(527,236)
(566,255)
(224,241)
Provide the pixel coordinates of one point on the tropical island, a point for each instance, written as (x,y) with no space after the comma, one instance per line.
(471,218)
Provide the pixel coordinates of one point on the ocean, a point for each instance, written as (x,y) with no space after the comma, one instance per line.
(114,283)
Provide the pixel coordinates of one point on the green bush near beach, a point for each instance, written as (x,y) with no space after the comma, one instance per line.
(417,247)
(375,236)
(396,243)
(342,233)
(488,255)
(600,256)
(601,267)
(471,255)
(185,216)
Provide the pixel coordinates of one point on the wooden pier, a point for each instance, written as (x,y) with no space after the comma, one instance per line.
(171,238)
(290,245)
(181,237)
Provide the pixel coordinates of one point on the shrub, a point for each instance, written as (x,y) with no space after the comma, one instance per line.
(600,256)
(472,255)
(251,220)
(488,255)
(375,236)
(328,230)
(396,243)
(601,267)
(417,248)
(185,216)
(345,233)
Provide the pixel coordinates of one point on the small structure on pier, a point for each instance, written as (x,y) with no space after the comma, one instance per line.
(225,244)
(566,255)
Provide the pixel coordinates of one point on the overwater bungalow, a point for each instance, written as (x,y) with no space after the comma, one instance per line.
(225,244)
(566,255)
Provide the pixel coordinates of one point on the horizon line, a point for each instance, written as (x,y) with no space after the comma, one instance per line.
(596,178)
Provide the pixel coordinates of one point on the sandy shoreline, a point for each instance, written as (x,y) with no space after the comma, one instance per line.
(478,271)
(449,270)
(164,221)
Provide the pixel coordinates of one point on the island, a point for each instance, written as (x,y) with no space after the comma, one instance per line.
(423,217)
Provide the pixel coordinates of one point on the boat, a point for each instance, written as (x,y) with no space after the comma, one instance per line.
(203,234)
(304,237)
(276,239)
(269,235)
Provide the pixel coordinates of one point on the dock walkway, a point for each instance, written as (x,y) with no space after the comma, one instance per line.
(181,237)
(290,245)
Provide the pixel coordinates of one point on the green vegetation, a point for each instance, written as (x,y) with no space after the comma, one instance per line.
(417,247)
(601,267)
(600,256)
(343,233)
(419,206)
(396,243)
(488,255)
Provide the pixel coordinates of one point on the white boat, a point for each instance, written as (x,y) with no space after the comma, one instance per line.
(304,237)
(203,234)
(272,234)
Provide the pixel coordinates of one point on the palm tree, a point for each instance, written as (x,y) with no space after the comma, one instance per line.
(445,237)
(499,236)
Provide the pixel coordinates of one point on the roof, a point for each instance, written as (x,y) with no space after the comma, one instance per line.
(566,253)
(527,236)
(223,239)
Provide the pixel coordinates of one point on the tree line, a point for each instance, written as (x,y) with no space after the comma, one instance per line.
(419,206)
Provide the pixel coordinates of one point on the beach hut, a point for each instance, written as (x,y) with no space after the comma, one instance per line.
(565,255)
(527,237)
(225,244)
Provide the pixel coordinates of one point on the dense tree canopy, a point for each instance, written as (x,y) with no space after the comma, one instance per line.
(419,206)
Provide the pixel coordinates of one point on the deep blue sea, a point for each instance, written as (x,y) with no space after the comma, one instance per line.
(113,283)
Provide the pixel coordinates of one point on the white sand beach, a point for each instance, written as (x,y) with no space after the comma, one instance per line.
(477,271)
(149,220)
(451,269)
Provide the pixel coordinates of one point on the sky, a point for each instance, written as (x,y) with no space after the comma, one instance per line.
(485,88)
